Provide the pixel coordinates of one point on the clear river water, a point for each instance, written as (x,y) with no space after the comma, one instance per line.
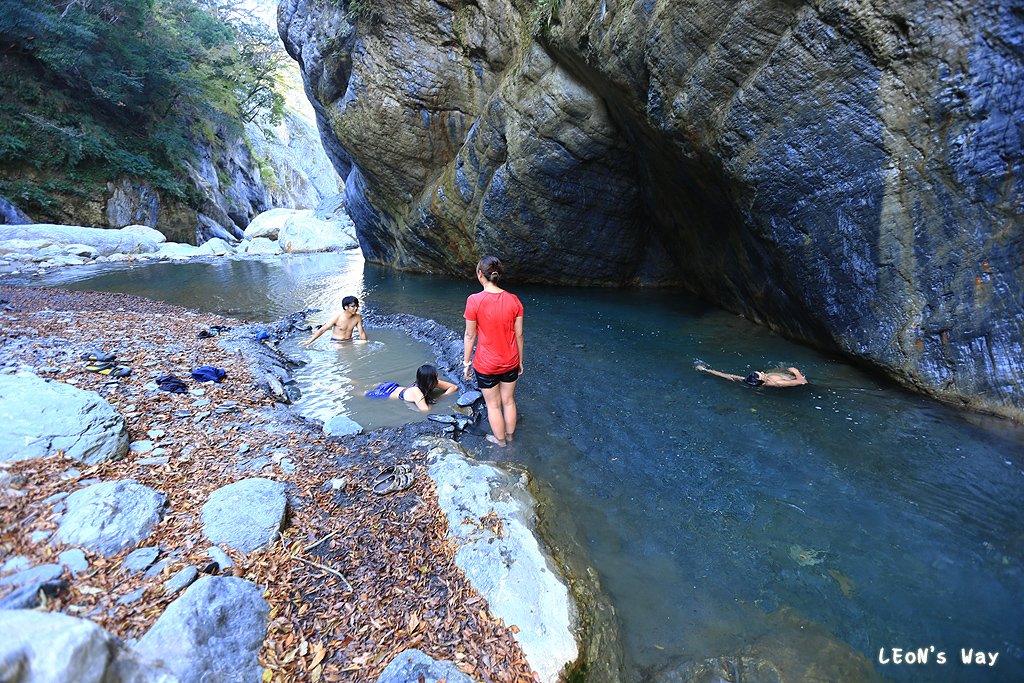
(712,512)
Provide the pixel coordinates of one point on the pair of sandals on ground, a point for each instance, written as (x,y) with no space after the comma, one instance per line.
(105,364)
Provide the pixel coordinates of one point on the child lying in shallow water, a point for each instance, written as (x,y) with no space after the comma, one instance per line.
(418,392)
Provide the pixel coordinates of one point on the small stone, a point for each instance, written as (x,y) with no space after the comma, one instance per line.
(156,568)
(182,413)
(287,465)
(138,560)
(74,559)
(158,451)
(201,416)
(141,446)
(469,398)
(201,402)
(42,573)
(15,564)
(155,433)
(181,580)
(338,483)
(88,482)
(55,497)
(220,557)
(71,473)
(443,419)
(163,460)
(49,370)
(129,598)
(244,448)
(40,536)
(197,392)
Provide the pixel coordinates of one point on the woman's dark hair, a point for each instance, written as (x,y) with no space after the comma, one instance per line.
(491,268)
(348,301)
(426,380)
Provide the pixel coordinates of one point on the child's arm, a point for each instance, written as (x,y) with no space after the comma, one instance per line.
(323,329)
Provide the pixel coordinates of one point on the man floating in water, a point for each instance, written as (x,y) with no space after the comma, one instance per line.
(791,377)
(343,324)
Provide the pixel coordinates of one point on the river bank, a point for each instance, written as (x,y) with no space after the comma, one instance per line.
(355,579)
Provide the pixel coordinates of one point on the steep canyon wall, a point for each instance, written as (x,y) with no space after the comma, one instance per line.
(845,171)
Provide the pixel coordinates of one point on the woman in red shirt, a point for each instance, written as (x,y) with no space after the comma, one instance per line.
(494,323)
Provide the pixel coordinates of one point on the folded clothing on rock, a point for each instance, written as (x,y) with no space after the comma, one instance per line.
(172,384)
(208,373)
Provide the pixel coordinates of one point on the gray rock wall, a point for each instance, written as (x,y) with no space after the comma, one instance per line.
(846,172)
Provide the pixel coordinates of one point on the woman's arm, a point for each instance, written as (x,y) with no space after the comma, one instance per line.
(448,387)
(468,341)
(519,341)
(328,325)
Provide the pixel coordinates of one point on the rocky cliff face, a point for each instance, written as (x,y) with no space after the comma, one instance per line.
(238,174)
(846,171)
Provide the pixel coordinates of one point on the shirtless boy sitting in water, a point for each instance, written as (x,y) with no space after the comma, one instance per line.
(792,378)
(342,324)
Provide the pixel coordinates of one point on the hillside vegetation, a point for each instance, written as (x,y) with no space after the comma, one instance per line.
(95,90)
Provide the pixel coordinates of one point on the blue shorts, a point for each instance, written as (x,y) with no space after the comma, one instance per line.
(490,381)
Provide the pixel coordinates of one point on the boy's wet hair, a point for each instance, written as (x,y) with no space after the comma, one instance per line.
(348,301)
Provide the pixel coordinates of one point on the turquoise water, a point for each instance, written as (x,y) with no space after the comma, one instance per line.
(709,508)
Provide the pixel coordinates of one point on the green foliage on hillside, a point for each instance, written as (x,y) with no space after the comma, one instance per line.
(95,89)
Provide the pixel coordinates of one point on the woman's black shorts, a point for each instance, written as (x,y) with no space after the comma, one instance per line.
(488,381)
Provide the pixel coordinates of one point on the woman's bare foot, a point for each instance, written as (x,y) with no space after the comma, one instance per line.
(495,440)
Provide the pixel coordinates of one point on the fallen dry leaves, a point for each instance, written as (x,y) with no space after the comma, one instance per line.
(355,578)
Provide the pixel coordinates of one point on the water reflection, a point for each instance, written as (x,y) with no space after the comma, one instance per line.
(707,507)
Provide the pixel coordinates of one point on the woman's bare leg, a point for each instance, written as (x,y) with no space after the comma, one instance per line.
(509,410)
(492,397)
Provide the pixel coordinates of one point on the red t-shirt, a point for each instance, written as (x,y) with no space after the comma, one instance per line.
(495,315)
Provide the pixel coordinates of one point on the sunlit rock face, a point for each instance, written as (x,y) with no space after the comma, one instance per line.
(847,172)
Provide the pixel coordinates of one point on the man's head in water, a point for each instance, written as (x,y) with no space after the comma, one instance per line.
(754,379)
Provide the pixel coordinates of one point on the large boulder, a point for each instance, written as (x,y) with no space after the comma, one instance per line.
(843,172)
(49,647)
(268,224)
(132,239)
(503,559)
(213,632)
(110,516)
(304,232)
(39,417)
(12,215)
(246,515)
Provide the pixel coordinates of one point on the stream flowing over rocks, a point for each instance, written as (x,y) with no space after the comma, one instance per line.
(846,173)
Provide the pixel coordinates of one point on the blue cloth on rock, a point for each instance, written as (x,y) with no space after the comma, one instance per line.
(172,384)
(208,373)
(383,390)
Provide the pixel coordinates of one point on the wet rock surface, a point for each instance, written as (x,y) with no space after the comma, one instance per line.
(839,173)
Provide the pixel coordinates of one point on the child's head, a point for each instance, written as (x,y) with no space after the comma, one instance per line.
(426,380)
(350,301)
(490,267)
